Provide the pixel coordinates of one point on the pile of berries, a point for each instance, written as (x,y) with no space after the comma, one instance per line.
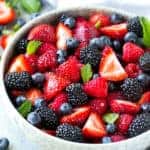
(83,80)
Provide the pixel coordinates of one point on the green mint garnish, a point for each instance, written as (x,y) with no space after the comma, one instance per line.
(32,47)
(25,108)
(110,117)
(146,30)
(31,6)
(86,72)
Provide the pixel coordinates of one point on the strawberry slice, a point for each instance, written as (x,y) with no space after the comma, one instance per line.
(110,67)
(4,40)
(62,33)
(94,127)
(78,117)
(121,106)
(97,87)
(43,33)
(53,85)
(19,64)
(145,98)
(115,31)
(7,14)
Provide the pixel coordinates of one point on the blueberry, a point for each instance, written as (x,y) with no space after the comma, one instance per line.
(38,79)
(104,41)
(72,43)
(116,18)
(145,107)
(4,144)
(63,18)
(144,79)
(130,37)
(95,75)
(111,128)
(117,45)
(19,100)
(20,22)
(62,53)
(61,60)
(1,29)
(95,42)
(39,102)
(106,139)
(65,109)
(34,15)
(34,118)
(70,22)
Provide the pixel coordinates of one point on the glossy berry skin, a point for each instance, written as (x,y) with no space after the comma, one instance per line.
(19,100)
(95,42)
(106,140)
(39,102)
(20,22)
(117,45)
(145,107)
(4,143)
(70,22)
(61,56)
(65,109)
(111,128)
(130,37)
(34,118)
(116,18)
(104,41)
(72,43)
(144,79)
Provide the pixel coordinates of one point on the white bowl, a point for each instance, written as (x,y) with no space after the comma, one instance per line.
(43,140)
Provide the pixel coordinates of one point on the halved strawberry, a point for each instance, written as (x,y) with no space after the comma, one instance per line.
(43,33)
(53,85)
(94,127)
(33,94)
(110,67)
(7,14)
(19,64)
(97,87)
(145,98)
(115,31)
(122,106)
(62,33)
(100,18)
(78,117)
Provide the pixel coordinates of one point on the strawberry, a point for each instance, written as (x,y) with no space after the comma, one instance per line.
(117,138)
(45,47)
(99,105)
(78,117)
(124,122)
(121,106)
(7,14)
(69,70)
(19,64)
(131,52)
(97,87)
(110,67)
(16,93)
(5,40)
(115,31)
(53,85)
(47,61)
(33,94)
(94,127)
(145,98)
(84,31)
(80,20)
(43,33)
(100,18)
(50,132)
(62,33)
(58,101)
(114,95)
(133,70)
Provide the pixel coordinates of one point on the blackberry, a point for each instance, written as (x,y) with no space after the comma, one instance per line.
(90,55)
(144,62)
(69,132)
(134,25)
(21,46)
(76,95)
(49,119)
(19,81)
(132,89)
(140,124)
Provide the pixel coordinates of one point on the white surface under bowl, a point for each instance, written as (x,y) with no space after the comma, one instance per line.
(43,140)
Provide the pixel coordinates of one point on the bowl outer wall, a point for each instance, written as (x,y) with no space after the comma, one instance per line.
(43,140)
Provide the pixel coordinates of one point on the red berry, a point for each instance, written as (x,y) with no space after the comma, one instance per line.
(117,138)
(131,52)
(114,95)
(145,98)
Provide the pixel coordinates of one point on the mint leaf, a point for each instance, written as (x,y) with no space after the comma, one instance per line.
(110,117)
(146,30)
(31,6)
(32,47)
(86,72)
(25,108)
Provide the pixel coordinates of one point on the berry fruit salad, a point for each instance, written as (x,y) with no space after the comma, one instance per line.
(84,79)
